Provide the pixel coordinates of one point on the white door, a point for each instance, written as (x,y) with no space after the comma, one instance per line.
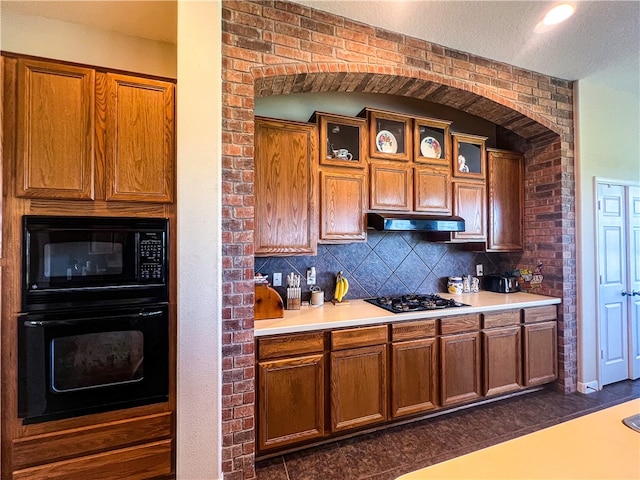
(618,265)
(634,278)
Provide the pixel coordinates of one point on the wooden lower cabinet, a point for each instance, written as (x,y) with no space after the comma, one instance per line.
(414,367)
(501,352)
(502,364)
(319,385)
(413,376)
(291,390)
(460,368)
(292,400)
(540,353)
(540,345)
(460,359)
(358,387)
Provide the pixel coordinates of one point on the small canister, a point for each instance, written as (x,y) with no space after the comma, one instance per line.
(454,285)
(317,297)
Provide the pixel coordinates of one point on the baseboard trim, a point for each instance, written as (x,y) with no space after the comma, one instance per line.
(588,387)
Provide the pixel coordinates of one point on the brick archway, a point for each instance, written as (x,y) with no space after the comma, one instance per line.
(275,48)
(407,82)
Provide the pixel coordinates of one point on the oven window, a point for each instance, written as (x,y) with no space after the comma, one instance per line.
(96,256)
(94,360)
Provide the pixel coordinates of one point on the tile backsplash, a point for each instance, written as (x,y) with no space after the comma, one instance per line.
(388,263)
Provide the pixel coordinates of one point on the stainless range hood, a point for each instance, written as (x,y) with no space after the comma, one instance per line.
(416,222)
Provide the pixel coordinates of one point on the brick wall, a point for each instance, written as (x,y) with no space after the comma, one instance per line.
(272,48)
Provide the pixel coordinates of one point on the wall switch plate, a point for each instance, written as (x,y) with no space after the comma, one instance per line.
(479,270)
(277,279)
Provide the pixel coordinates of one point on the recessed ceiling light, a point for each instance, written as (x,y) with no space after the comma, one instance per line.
(559,14)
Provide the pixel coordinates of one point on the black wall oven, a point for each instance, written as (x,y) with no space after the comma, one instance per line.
(93,335)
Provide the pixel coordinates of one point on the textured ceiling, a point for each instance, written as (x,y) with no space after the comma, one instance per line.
(601,41)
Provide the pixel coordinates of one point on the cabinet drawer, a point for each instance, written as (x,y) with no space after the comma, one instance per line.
(151,460)
(359,337)
(290,345)
(459,324)
(413,330)
(540,314)
(78,442)
(500,319)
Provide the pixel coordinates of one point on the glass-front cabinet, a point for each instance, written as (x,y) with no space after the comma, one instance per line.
(469,156)
(342,140)
(431,141)
(390,136)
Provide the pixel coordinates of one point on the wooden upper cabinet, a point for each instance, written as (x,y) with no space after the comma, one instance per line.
(286,212)
(469,202)
(343,140)
(343,204)
(55,131)
(391,186)
(139,140)
(390,135)
(505,197)
(432,189)
(432,141)
(469,156)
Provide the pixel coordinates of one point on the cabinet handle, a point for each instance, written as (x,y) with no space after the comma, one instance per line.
(632,293)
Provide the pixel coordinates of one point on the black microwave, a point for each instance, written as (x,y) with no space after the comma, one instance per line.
(79,262)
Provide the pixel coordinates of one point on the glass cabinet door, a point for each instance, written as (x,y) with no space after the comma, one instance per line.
(431,141)
(469,156)
(342,140)
(389,135)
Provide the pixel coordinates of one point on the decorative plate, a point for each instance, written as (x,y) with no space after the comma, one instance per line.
(430,148)
(386,142)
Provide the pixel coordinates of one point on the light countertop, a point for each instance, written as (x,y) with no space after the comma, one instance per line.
(595,446)
(359,312)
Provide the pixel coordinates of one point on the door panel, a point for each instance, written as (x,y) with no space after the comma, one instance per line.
(634,278)
(618,243)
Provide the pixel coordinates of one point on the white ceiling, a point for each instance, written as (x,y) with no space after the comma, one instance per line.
(601,41)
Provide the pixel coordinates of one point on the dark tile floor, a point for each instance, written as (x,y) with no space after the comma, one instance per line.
(386,454)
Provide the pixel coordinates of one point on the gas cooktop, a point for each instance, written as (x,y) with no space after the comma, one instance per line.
(414,303)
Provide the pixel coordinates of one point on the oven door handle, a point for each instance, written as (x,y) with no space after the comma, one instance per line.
(54,323)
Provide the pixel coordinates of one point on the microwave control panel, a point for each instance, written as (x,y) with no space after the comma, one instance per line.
(151,257)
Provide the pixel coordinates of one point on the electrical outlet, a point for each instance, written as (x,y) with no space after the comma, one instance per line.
(277,279)
(311,276)
(479,270)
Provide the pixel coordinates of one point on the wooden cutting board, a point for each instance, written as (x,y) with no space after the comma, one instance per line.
(268,303)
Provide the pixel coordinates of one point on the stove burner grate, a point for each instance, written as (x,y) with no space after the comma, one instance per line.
(413,303)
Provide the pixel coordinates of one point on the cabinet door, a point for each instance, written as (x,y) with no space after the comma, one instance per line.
(55,132)
(285,188)
(502,363)
(540,353)
(460,368)
(342,206)
(391,186)
(432,189)
(358,387)
(505,190)
(413,376)
(139,141)
(290,400)
(469,202)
